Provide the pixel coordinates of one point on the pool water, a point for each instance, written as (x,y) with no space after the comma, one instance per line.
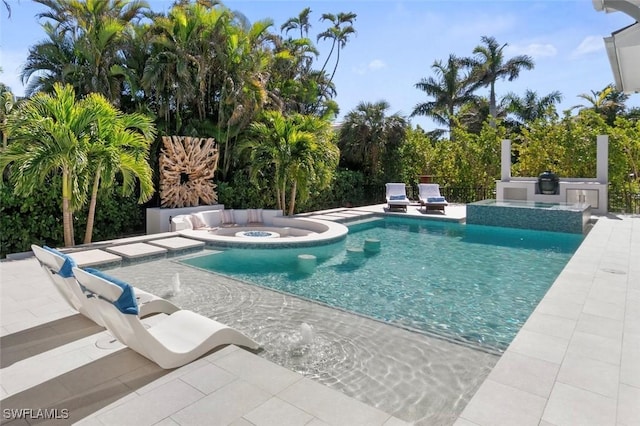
(470,283)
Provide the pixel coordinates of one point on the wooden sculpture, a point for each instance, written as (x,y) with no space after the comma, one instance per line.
(187,166)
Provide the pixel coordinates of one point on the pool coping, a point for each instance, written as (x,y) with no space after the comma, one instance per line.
(574,361)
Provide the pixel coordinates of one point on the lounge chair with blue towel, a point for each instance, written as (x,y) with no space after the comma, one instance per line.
(397,196)
(59,268)
(175,340)
(430,198)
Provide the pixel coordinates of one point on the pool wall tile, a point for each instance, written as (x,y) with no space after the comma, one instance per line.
(524,217)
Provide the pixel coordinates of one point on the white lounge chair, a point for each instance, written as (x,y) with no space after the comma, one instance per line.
(58,267)
(430,198)
(397,196)
(176,340)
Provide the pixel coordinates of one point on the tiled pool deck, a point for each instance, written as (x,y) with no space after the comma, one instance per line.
(575,362)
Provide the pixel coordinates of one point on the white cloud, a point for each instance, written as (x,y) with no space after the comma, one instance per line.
(590,44)
(535,50)
(374,65)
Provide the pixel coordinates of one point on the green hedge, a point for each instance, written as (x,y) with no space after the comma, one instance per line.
(37,219)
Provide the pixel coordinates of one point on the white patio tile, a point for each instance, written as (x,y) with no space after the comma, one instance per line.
(258,371)
(464,422)
(394,421)
(538,345)
(223,406)
(570,406)
(606,291)
(153,406)
(242,422)
(630,362)
(317,422)
(94,257)
(90,421)
(596,347)
(167,376)
(632,317)
(600,326)
(177,243)
(25,304)
(276,412)
(208,378)
(525,373)
(500,405)
(39,369)
(19,319)
(604,309)
(551,325)
(560,307)
(628,406)
(331,407)
(111,366)
(167,422)
(136,250)
(590,374)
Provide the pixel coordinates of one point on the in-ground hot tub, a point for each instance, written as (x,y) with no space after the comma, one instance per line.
(282,232)
(556,217)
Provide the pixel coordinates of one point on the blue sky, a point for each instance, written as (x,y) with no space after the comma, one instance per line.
(397,42)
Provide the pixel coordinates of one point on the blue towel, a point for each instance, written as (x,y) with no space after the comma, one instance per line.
(397,197)
(435,199)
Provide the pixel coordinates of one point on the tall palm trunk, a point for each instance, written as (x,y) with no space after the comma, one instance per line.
(283,194)
(67,212)
(292,202)
(92,209)
(492,105)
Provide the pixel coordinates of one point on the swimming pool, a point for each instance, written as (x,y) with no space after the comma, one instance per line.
(470,283)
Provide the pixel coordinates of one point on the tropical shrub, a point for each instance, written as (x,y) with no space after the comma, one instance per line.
(37,218)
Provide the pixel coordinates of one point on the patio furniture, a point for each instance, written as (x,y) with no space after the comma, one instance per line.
(430,198)
(176,340)
(59,268)
(397,196)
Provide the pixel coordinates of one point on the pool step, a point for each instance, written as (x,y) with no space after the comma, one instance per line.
(365,220)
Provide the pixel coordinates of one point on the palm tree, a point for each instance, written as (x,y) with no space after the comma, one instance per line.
(292,152)
(8,102)
(608,102)
(338,33)
(96,32)
(300,22)
(531,107)
(119,145)
(368,135)
(450,89)
(489,66)
(50,134)
(85,141)
(49,62)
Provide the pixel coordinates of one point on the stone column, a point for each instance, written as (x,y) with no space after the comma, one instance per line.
(603,159)
(506,160)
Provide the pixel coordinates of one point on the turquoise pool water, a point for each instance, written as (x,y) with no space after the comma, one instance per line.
(470,283)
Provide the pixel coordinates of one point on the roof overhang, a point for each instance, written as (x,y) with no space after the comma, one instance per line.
(623,49)
(630,7)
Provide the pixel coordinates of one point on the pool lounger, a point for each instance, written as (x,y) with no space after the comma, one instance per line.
(176,340)
(58,267)
(396,194)
(430,198)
